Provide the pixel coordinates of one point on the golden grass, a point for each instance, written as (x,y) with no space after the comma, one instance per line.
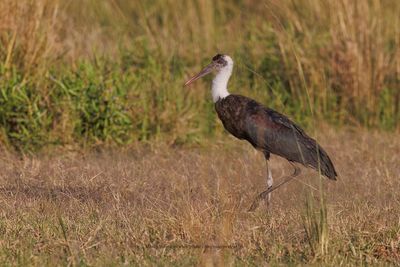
(350,39)
(29,34)
(165,205)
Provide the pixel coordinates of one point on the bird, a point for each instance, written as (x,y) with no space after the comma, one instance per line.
(264,128)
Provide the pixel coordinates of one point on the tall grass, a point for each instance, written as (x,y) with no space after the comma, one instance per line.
(95,72)
(315,223)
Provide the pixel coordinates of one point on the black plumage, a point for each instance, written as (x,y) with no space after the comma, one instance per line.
(266,129)
(272,132)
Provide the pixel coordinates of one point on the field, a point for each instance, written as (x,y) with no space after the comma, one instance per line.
(105,159)
(187,206)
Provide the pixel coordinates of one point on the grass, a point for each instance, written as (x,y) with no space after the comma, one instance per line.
(166,205)
(110,73)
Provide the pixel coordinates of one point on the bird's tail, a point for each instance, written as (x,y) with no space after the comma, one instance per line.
(326,164)
(320,160)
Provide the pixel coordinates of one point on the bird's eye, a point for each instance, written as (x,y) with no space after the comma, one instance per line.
(222,62)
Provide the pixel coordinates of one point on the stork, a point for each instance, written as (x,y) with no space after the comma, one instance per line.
(265,129)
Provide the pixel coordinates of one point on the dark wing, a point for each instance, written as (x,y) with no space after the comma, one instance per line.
(273,132)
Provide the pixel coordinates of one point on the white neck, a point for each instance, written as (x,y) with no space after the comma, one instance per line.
(219,87)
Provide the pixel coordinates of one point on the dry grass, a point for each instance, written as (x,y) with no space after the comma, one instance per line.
(351,41)
(146,206)
(29,34)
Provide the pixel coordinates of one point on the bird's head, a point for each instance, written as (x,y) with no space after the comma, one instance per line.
(218,64)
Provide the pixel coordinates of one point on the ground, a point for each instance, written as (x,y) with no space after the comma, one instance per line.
(169,205)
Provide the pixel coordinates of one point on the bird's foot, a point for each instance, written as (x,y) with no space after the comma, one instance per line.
(262,196)
(271,188)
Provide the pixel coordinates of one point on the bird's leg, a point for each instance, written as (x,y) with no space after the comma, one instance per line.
(262,195)
(270,182)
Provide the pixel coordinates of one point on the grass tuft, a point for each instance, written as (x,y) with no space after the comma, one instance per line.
(315,223)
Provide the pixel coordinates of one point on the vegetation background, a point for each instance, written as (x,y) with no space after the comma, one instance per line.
(85,73)
(105,159)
